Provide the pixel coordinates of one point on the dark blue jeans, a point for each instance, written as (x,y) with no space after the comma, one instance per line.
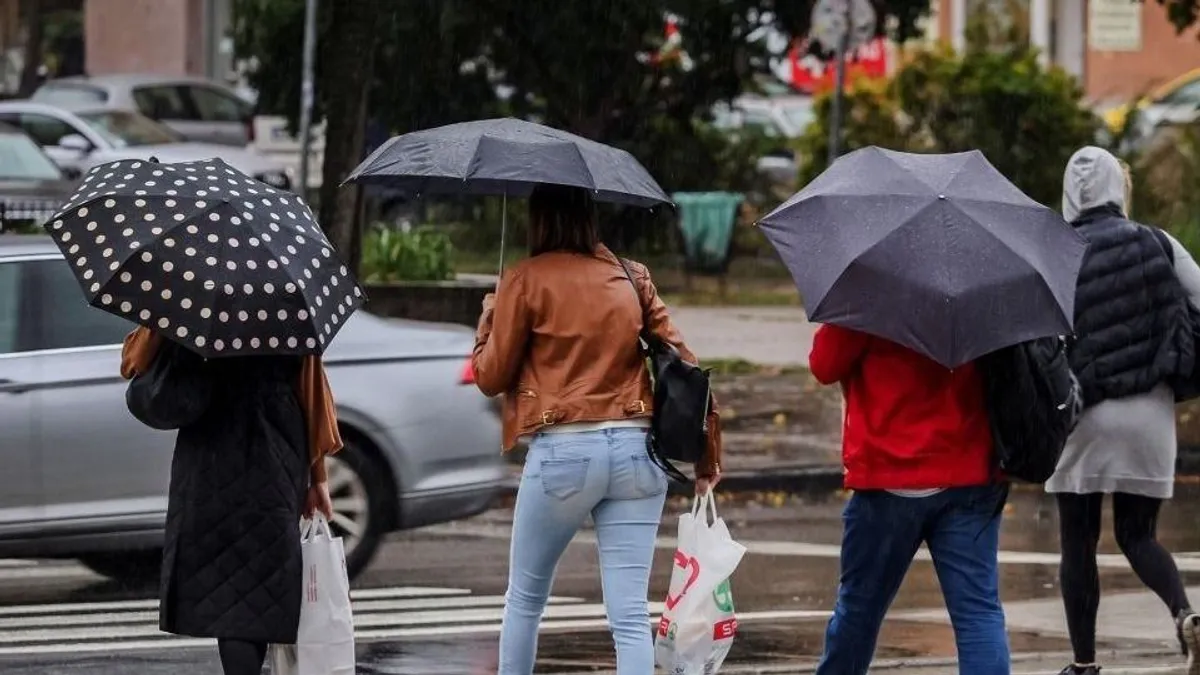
(882,534)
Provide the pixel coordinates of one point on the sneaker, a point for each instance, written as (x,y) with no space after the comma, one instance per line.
(1076,670)
(1187,627)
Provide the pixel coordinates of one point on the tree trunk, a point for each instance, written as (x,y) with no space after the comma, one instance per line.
(345,73)
(31,14)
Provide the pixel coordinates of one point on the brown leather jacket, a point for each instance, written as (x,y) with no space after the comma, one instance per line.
(561,345)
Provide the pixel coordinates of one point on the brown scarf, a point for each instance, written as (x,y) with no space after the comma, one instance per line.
(316,398)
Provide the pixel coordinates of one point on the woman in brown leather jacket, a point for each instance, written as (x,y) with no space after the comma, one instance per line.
(560,341)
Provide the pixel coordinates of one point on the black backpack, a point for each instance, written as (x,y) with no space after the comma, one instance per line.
(682,401)
(1033,402)
(1186,382)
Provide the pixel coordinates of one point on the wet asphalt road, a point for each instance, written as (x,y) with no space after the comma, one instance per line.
(431,602)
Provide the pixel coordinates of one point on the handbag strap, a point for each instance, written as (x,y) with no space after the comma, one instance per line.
(644,333)
(1164,242)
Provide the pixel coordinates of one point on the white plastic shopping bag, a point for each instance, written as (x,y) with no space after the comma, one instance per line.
(325,640)
(698,623)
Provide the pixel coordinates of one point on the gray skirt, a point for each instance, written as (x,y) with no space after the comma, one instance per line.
(1122,445)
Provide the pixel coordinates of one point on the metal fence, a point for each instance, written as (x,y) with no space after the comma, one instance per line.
(25,216)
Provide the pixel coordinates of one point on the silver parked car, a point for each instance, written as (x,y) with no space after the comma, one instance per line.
(199,109)
(32,187)
(82,137)
(82,479)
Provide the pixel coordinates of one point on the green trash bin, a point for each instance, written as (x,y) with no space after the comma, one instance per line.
(706,221)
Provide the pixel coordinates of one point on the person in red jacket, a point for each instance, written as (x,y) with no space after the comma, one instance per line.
(917,452)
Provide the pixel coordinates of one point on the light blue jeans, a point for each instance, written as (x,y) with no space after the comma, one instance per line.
(568,476)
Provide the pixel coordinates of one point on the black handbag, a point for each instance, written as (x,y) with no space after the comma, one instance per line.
(1186,335)
(173,393)
(682,401)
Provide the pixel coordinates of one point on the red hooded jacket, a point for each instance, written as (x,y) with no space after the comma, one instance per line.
(910,422)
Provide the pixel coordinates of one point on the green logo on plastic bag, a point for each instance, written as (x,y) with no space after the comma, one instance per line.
(723,596)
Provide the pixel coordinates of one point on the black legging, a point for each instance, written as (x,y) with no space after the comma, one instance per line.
(1135,521)
(239,657)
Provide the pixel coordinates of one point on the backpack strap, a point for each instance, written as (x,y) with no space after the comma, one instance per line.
(1165,243)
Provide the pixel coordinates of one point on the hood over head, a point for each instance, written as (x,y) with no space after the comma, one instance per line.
(1094,177)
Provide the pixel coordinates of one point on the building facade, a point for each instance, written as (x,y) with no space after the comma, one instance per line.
(1117,48)
(170,37)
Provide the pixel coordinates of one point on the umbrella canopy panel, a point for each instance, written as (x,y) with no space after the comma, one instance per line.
(940,253)
(507,156)
(205,256)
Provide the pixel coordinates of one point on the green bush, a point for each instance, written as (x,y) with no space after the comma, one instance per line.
(1166,184)
(1026,119)
(421,254)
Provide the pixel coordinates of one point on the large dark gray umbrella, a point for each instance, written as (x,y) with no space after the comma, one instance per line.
(507,157)
(940,253)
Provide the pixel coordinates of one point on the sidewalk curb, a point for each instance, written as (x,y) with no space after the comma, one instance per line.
(808,479)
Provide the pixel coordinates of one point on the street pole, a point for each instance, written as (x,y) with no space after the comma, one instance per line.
(839,87)
(306,91)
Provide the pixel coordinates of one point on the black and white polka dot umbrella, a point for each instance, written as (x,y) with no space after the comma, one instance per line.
(207,256)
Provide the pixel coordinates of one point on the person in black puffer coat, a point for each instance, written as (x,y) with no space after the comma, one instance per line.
(1132,338)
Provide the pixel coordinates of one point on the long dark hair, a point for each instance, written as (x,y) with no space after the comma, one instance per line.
(562,218)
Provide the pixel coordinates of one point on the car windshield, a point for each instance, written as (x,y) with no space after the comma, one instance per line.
(124,129)
(21,159)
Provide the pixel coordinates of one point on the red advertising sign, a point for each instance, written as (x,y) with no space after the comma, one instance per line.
(811,74)
(725,630)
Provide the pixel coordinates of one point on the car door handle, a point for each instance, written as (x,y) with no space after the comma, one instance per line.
(12,387)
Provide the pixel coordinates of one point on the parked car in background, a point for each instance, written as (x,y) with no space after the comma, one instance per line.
(198,109)
(273,139)
(32,187)
(83,479)
(82,137)
(1175,102)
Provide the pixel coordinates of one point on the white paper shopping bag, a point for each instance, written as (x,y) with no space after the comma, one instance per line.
(698,624)
(325,640)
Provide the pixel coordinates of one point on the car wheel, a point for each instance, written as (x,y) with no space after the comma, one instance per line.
(129,568)
(361,502)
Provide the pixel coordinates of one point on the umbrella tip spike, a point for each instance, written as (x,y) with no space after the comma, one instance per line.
(942,197)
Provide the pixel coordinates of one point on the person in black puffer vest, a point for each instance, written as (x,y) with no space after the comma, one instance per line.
(1131,339)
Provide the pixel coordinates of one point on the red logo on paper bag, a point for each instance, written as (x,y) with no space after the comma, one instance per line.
(686,563)
(663,624)
(311,592)
(725,630)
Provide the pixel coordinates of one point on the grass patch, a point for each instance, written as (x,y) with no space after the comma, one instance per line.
(750,282)
(729,367)
(740,297)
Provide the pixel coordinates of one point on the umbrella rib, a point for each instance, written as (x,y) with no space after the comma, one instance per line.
(924,210)
(167,231)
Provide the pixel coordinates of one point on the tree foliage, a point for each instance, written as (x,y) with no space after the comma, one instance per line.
(1025,118)
(587,67)
(1182,13)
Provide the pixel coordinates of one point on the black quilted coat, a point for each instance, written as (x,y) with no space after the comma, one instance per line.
(1129,310)
(231,557)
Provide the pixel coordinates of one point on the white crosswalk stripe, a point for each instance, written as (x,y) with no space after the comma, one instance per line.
(379,614)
